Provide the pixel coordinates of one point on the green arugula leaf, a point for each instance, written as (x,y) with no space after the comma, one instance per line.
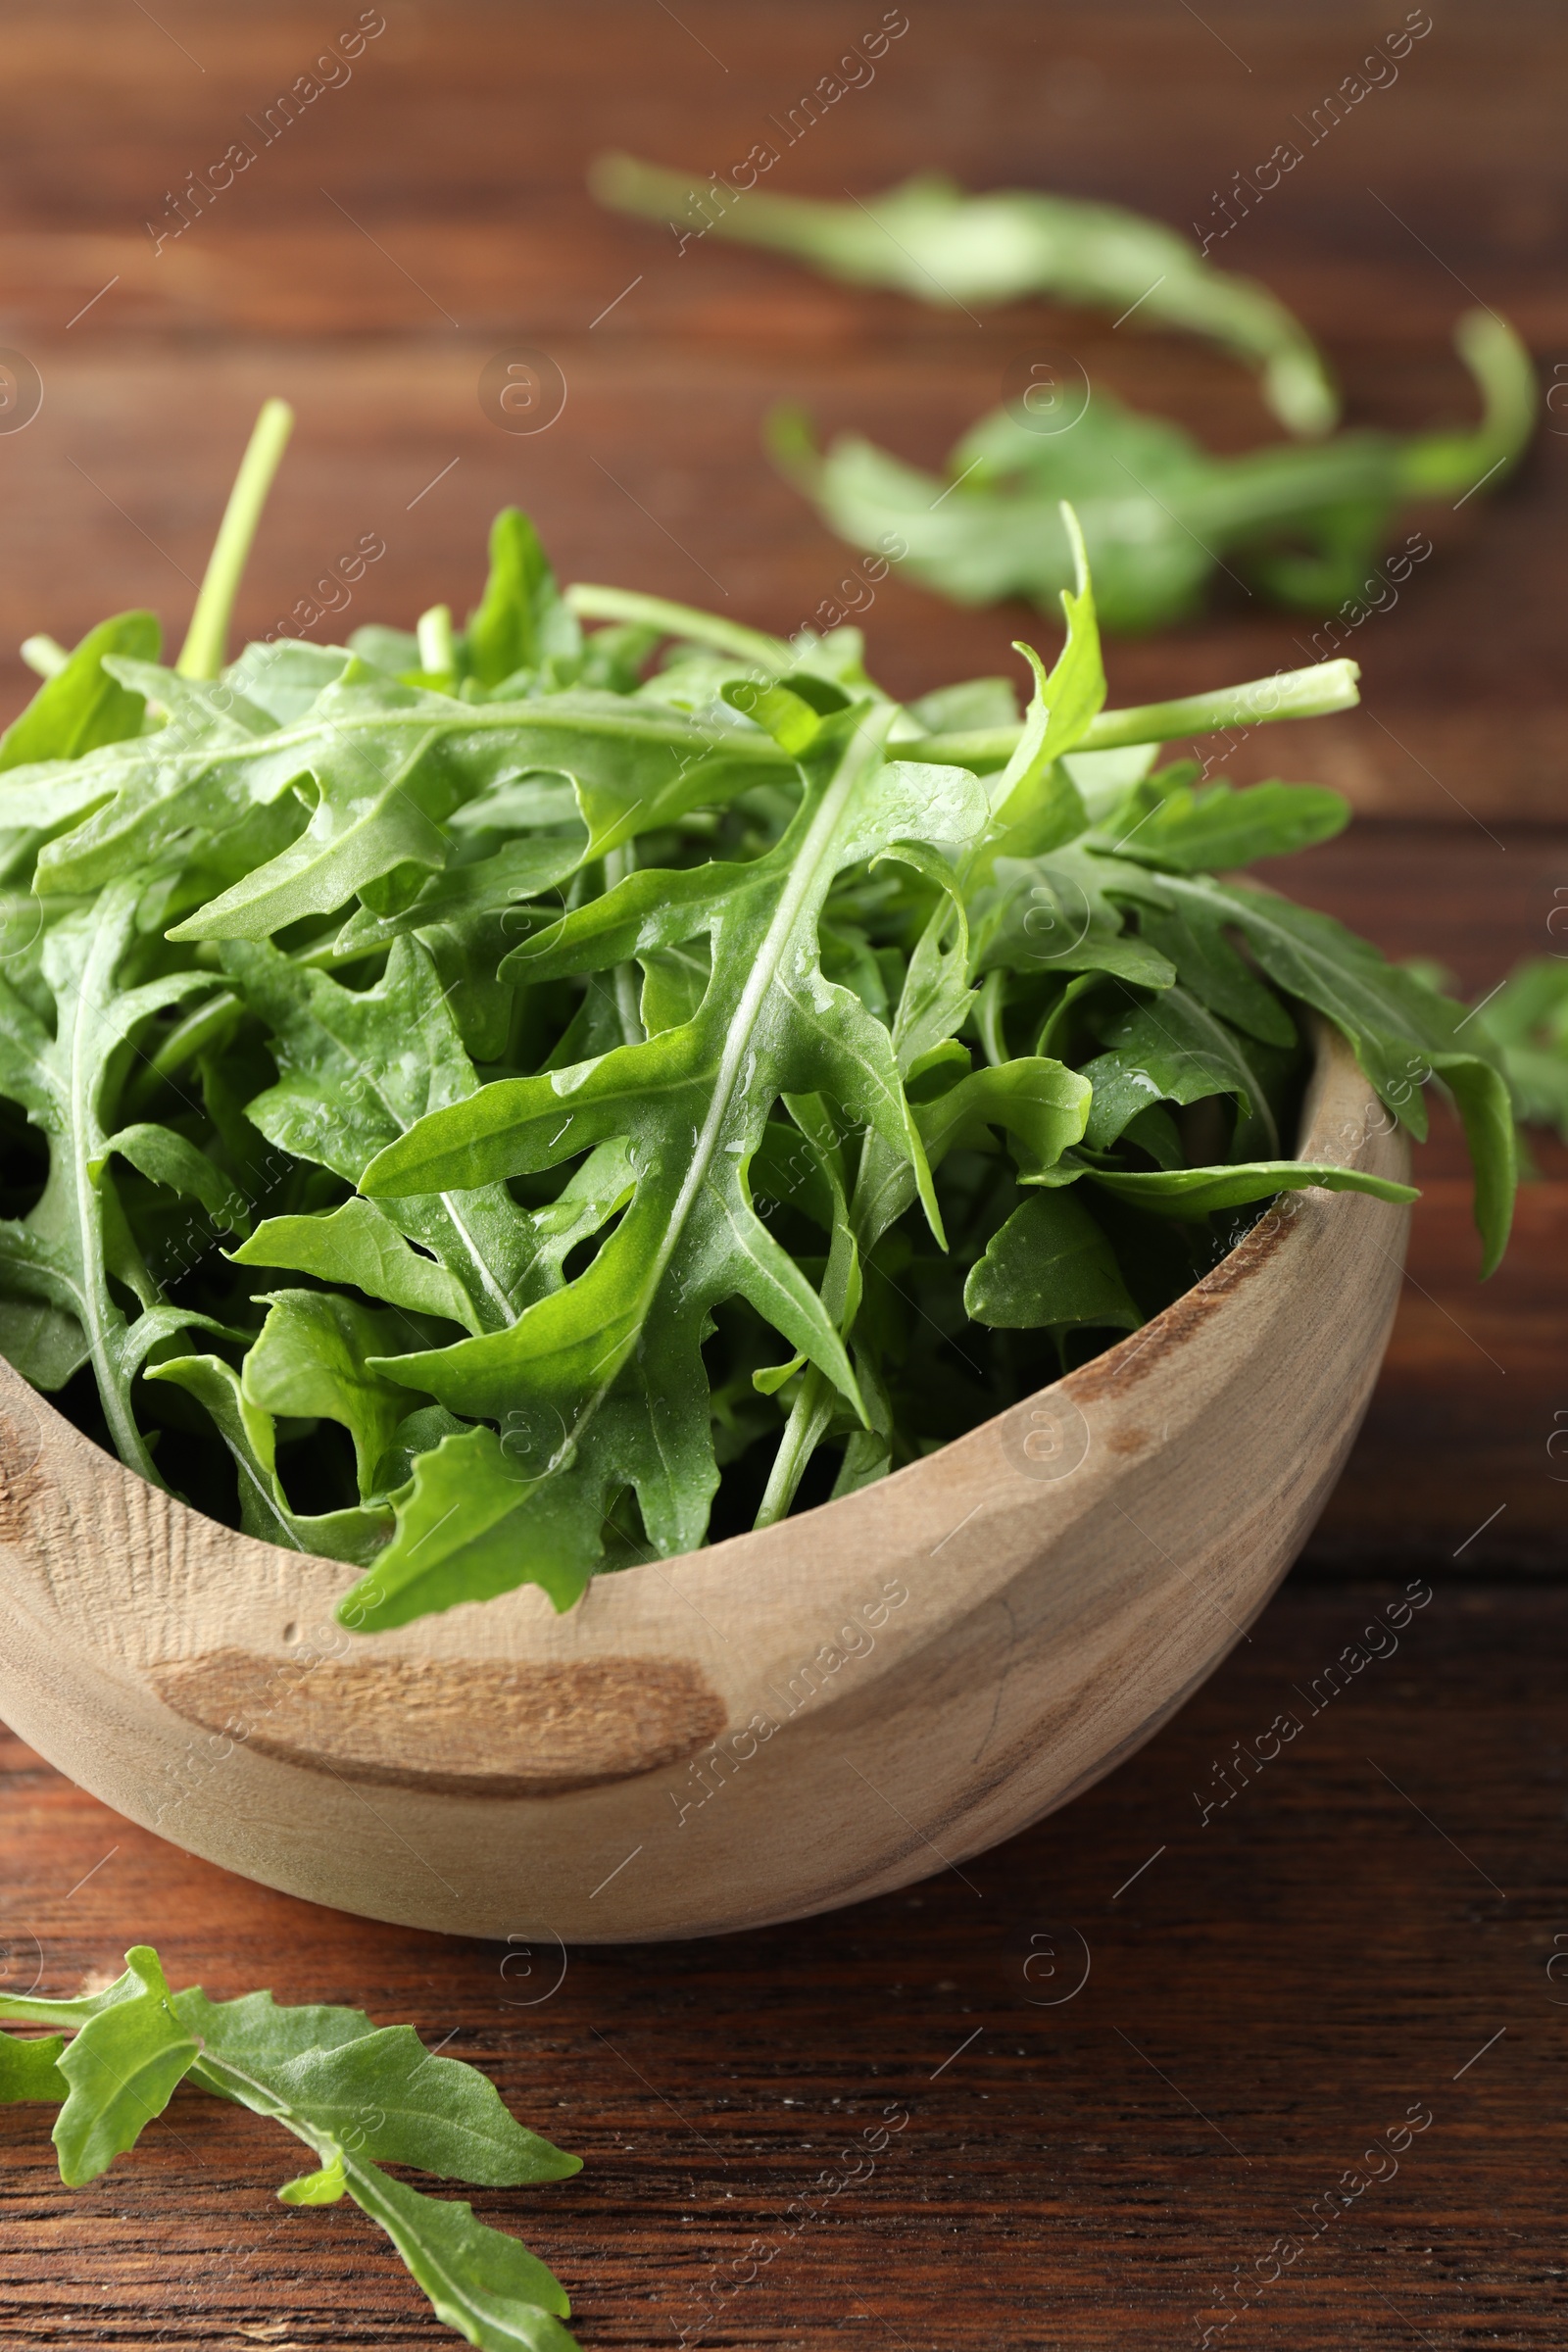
(931,241)
(356,1243)
(358,1071)
(1157,511)
(83,706)
(29,2070)
(481,1519)
(166,1158)
(1052,1264)
(1527,1021)
(122,2068)
(358,2096)
(313,1358)
(1173,1050)
(1403,1032)
(1197,1193)
(375,2091)
(326,2185)
(464,894)
(1166,821)
(479,2280)
(284,677)
(521,619)
(249,1433)
(1194,943)
(63,1254)
(692,1102)
(382,764)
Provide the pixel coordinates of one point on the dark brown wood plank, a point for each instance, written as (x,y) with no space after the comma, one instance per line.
(1340,1938)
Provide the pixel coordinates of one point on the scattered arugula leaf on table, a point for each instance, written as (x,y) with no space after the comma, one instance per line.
(931,240)
(1527,1021)
(1306,524)
(359,2096)
(490,1104)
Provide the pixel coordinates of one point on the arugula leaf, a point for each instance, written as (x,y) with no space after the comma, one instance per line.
(1527,1021)
(247,1431)
(1194,942)
(382,763)
(356,1243)
(375,2091)
(932,241)
(1197,1193)
(1157,511)
(29,2070)
(1403,1032)
(1166,821)
(521,619)
(65,1252)
(479,2280)
(359,1069)
(691,1103)
(1052,1264)
(166,1158)
(358,2096)
(464,894)
(249,1434)
(122,2068)
(326,2185)
(83,706)
(313,1358)
(1173,1050)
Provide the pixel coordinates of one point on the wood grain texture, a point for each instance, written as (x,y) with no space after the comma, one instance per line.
(686,1752)
(1077,2174)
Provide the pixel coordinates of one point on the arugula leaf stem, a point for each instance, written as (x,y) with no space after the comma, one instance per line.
(1311,693)
(618,863)
(433,632)
(98,1312)
(802,1433)
(812,866)
(19,2010)
(195,1035)
(592,603)
(45,655)
(202,655)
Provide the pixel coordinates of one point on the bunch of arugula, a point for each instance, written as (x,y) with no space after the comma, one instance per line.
(486,1107)
(359,2096)
(1304,524)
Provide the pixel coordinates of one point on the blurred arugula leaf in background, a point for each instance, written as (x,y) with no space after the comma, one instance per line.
(1304,524)
(934,242)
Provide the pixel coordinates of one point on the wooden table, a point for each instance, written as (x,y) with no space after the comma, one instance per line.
(1371,1923)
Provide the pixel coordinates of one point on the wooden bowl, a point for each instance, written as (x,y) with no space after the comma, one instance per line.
(789,1721)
